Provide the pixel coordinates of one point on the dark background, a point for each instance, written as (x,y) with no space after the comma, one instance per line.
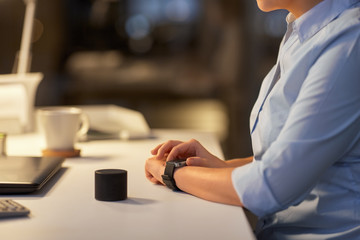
(183,63)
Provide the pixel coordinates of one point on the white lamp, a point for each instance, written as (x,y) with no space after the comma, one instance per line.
(18,90)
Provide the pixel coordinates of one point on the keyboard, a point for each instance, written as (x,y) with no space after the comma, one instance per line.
(10,208)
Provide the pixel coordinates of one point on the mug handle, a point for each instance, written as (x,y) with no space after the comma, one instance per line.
(84,127)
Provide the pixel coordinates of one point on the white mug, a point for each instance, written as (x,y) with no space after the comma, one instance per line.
(62,126)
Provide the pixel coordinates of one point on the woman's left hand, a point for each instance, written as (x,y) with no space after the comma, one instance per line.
(154,168)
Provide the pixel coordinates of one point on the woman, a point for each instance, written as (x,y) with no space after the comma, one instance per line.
(303,181)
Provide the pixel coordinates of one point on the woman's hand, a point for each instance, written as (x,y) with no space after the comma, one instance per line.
(206,176)
(194,153)
(154,168)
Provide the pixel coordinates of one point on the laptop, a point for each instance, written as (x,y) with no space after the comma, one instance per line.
(26,174)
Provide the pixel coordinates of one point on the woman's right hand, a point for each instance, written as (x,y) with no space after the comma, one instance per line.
(194,153)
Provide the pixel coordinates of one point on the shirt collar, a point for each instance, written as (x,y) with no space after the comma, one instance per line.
(308,24)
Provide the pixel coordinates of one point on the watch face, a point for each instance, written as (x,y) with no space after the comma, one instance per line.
(178,163)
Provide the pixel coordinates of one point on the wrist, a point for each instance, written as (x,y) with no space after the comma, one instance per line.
(161,171)
(169,170)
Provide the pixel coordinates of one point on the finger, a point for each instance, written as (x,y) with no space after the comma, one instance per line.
(154,180)
(182,150)
(148,174)
(151,178)
(155,150)
(166,148)
(196,161)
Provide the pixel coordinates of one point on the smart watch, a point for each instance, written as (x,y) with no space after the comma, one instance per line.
(168,176)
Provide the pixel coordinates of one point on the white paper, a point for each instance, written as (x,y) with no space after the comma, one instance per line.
(112,119)
(17,99)
(13,108)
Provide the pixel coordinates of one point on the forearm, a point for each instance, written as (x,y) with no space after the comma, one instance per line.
(206,176)
(213,184)
(238,162)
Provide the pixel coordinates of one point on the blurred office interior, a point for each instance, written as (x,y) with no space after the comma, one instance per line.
(194,64)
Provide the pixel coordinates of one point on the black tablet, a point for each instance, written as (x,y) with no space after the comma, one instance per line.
(26,174)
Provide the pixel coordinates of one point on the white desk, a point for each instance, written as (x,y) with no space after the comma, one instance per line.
(66,208)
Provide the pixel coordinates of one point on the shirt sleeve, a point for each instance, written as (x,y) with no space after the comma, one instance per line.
(321,128)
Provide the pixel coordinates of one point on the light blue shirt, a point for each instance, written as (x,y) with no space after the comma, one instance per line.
(304,182)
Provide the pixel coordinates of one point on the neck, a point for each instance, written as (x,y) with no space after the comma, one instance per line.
(298,8)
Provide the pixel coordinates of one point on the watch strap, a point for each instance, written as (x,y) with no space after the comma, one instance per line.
(168,177)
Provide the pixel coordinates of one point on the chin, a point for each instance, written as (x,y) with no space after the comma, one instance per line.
(266,5)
